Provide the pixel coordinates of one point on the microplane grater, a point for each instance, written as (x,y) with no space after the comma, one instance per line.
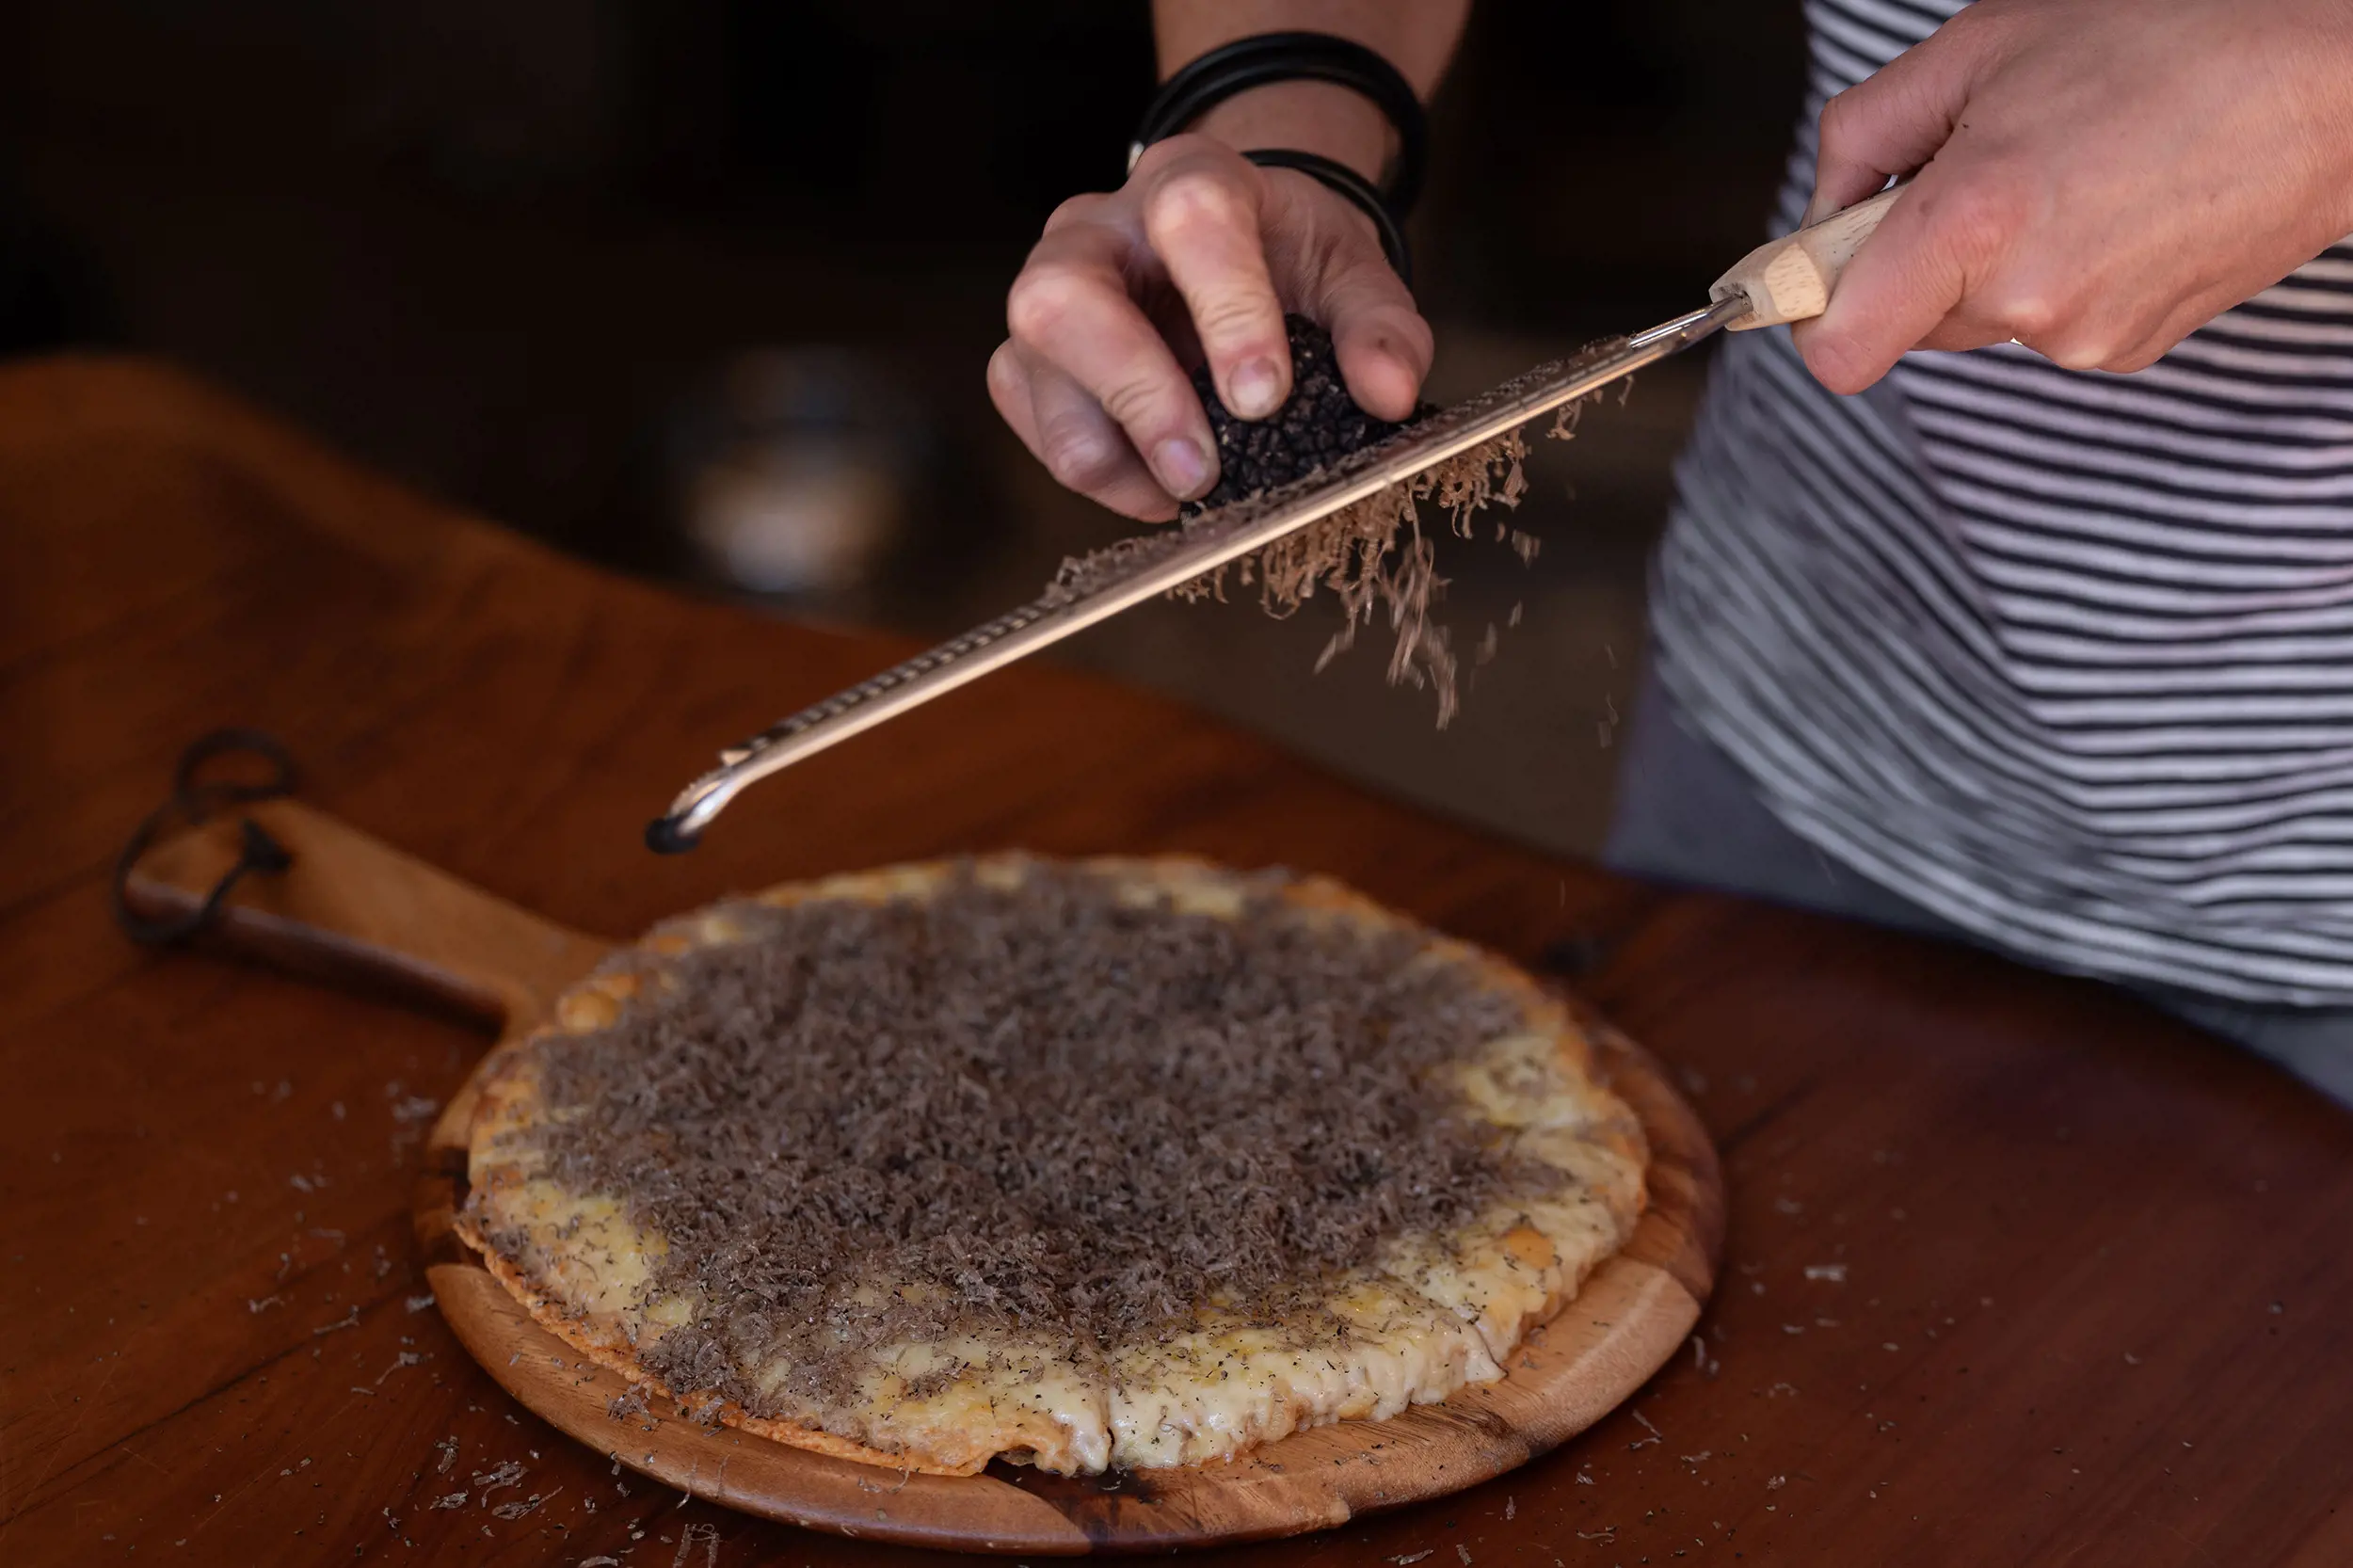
(1786,280)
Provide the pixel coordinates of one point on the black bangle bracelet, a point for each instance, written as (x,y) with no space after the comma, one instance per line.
(1253,62)
(1346,180)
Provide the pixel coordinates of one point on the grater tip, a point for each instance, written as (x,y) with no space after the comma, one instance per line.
(664,835)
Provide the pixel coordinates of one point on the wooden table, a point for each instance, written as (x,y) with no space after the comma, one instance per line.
(2018,1272)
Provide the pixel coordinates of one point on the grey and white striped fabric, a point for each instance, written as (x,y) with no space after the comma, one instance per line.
(2064,657)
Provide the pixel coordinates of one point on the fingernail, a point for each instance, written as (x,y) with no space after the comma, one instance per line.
(1181,468)
(1256,389)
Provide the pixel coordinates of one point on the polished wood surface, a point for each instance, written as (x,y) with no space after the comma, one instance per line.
(2016,1270)
(351,908)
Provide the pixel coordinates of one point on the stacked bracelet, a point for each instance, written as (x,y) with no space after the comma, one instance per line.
(1253,62)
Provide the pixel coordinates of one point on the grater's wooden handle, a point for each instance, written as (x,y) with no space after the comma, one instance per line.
(1790,279)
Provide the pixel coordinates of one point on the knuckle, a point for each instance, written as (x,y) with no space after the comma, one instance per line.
(1196,200)
(1838,124)
(1237,320)
(1368,307)
(2028,314)
(1419,337)
(1413,349)
(1078,457)
(1039,299)
(1086,208)
(1980,218)
(1967,25)
(1402,331)
(2082,351)
(1188,147)
(1134,403)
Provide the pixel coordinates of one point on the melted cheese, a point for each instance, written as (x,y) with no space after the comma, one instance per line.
(1432,1315)
(1024,1400)
(1230,1386)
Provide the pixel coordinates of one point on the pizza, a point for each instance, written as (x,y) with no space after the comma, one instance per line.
(1081,1164)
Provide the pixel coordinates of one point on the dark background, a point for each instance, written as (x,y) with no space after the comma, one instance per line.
(509,253)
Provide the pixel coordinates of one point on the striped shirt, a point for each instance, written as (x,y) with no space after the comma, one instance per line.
(2064,657)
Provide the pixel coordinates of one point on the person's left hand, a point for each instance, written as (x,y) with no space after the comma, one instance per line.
(2097,178)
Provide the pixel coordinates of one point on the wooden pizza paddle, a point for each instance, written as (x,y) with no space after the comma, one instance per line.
(354,910)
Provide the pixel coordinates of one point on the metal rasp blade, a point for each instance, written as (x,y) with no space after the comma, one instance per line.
(1155,564)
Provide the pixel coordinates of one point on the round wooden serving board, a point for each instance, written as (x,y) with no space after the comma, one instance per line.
(355,908)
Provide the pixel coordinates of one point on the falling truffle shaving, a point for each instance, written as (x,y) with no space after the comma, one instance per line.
(1372,555)
(1056,1111)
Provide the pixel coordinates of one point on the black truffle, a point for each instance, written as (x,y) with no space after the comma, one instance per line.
(1317,426)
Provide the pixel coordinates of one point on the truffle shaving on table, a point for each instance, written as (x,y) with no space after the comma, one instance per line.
(1113,1162)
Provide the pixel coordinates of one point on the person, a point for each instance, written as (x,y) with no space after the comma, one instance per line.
(2012,598)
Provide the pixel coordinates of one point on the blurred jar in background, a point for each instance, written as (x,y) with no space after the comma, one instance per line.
(795,475)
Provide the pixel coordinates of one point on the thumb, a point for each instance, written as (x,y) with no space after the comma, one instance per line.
(1900,283)
(1912,278)
(1382,343)
(1330,259)
(1894,121)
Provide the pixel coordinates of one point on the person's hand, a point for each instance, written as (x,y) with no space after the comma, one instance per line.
(1197,257)
(2097,178)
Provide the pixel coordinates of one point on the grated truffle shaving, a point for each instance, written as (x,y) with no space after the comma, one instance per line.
(1372,555)
(1050,1110)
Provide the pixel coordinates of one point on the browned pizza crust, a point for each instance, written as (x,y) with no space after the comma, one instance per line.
(599,1349)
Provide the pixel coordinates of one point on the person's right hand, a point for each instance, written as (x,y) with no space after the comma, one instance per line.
(1195,258)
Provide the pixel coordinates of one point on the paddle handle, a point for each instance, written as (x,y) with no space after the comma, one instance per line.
(354,908)
(1791,278)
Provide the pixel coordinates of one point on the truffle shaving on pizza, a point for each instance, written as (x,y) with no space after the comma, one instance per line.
(1081,1164)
